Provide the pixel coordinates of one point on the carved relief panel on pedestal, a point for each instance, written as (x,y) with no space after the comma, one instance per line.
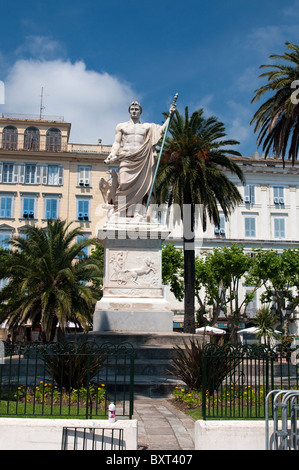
(133,268)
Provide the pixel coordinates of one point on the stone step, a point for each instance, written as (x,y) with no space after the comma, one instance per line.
(153,356)
(141,338)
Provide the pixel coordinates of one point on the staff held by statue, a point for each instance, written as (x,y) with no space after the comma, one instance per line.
(161,152)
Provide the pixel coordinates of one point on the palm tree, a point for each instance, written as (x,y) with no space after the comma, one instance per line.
(49,279)
(191,174)
(265,322)
(277,120)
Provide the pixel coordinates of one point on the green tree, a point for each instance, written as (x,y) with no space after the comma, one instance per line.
(191,176)
(49,279)
(218,278)
(173,270)
(278,275)
(3,256)
(277,119)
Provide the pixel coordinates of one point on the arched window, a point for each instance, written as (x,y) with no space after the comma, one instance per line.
(10,138)
(31,138)
(53,140)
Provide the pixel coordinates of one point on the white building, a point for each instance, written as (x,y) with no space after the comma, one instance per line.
(267,218)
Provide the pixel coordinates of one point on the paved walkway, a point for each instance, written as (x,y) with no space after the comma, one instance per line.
(161,426)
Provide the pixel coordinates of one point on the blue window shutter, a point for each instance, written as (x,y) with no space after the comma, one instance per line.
(83,209)
(5,207)
(51,209)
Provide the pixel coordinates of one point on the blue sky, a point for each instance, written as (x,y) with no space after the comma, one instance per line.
(93,58)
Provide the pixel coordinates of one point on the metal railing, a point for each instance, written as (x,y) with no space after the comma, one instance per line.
(70,379)
(285,408)
(237,379)
(92,438)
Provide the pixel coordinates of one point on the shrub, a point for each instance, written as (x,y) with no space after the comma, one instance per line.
(188,365)
(73,365)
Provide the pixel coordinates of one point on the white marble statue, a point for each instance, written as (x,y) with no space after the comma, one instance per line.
(134,149)
(108,187)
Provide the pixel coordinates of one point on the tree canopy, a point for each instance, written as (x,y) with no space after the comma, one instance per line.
(49,279)
(277,119)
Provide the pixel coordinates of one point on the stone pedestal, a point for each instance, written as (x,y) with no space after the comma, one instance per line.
(133,297)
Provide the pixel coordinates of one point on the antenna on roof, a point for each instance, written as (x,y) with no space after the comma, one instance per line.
(41,104)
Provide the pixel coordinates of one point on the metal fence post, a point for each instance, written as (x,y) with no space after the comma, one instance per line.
(204,387)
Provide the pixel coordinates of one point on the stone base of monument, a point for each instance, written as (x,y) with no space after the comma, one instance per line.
(133,297)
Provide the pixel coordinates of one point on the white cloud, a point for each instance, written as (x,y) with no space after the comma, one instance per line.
(40,47)
(270,40)
(93,102)
(205,103)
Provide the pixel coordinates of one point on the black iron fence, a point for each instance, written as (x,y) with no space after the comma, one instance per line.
(78,379)
(237,379)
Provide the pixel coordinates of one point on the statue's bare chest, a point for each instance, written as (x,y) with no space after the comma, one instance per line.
(138,130)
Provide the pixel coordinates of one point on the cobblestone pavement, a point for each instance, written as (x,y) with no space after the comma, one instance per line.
(161,426)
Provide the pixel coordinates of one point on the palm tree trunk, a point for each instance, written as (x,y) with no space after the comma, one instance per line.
(189,272)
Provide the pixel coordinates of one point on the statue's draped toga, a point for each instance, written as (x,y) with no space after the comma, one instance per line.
(136,171)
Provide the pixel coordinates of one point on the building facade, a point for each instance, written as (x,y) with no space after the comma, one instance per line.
(44,176)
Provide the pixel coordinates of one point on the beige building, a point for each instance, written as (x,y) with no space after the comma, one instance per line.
(43,175)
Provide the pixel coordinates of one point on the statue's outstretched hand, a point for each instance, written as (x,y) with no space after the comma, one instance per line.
(172,109)
(110,159)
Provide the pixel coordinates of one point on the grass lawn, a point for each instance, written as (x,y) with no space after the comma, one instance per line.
(18,409)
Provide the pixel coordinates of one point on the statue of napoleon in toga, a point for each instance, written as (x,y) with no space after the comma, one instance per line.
(135,149)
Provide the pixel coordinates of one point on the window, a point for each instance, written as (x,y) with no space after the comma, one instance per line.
(53,140)
(220,230)
(10,138)
(84,176)
(251,306)
(278,195)
(279,227)
(31,138)
(28,207)
(53,175)
(4,240)
(249,193)
(250,230)
(30,173)
(6,207)
(83,209)
(51,208)
(7,172)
